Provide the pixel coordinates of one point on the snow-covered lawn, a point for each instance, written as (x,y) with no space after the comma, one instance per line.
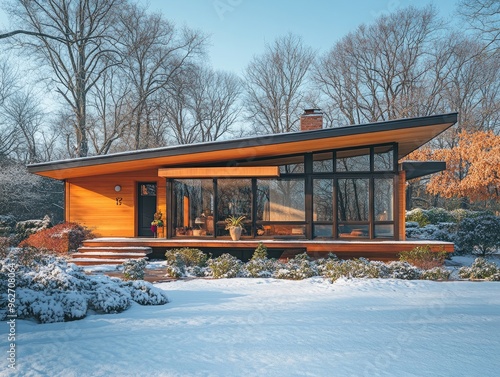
(267,327)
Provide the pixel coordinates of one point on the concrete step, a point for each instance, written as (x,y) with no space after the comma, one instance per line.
(98,255)
(107,255)
(116,249)
(96,261)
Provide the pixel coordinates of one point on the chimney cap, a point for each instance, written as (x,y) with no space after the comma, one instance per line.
(312,112)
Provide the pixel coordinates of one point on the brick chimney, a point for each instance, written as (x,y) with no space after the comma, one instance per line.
(312,119)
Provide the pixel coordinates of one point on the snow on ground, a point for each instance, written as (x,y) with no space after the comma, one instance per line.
(267,327)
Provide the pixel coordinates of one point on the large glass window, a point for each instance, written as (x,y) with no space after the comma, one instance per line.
(350,194)
(384,210)
(323,162)
(353,160)
(383,158)
(280,201)
(323,207)
(353,207)
(234,198)
(193,207)
(323,200)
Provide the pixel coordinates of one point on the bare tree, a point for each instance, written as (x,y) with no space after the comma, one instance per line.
(23,112)
(111,111)
(202,105)
(484,17)
(381,71)
(470,86)
(75,40)
(154,53)
(8,86)
(276,85)
(214,100)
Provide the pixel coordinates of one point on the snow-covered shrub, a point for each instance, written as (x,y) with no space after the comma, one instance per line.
(29,256)
(438,232)
(189,256)
(58,276)
(176,270)
(145,293)
(350,268)
(133,269)
(4,247)
(401,270)
(110,298)
(418,215)
(185,262)
(7,224)
(479,234)
(436,273)
(439,215)
(44,308)
(411,225)
(225,266)
(62,238)
(480,269)
(260,267)
(260,252)
(74,304)
(51,290)
(423,257)
(494,277)
(297,268)
(26,228)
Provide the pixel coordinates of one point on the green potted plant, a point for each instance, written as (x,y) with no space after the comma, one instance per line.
(235,226)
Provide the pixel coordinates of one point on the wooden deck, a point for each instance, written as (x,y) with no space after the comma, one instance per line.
(243,249)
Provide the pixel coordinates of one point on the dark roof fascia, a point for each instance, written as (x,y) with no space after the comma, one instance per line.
(417,169)
(254,141)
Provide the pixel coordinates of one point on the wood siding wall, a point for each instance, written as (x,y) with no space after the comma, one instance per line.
(402,204)
(94,203)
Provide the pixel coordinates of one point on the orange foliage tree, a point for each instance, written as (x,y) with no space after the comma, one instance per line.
(472,167)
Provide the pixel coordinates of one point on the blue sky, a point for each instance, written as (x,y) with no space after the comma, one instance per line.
(240,29)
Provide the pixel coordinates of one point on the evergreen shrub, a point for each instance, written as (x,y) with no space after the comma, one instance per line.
(225,266)
(423,257)
(480,269)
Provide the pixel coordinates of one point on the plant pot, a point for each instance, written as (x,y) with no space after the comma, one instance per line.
(235,233)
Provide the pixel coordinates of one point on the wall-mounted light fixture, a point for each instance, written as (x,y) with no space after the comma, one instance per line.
(118,188)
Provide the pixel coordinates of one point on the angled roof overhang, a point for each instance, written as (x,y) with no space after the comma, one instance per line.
(417,169)
(410,134)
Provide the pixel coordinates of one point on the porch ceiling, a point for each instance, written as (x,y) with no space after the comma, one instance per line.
(410,134)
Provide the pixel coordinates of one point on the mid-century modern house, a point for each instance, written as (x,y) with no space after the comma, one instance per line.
(317,190)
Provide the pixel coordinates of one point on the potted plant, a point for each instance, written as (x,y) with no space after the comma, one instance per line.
(235,226)
(157,222)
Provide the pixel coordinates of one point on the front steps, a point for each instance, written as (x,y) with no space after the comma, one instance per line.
(98,255)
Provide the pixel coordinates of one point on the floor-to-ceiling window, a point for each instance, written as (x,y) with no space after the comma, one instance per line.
(353,193)
(280,207)
(338,194)
(193,207)
(234,198)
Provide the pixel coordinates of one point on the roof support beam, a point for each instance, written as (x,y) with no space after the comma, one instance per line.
(219,172)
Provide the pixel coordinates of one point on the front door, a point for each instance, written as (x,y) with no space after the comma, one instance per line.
(146,208)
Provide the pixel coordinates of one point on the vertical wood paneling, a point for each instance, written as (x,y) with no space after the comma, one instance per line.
(94,203)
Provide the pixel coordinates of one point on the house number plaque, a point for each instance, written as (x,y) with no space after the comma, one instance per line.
(119,201)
